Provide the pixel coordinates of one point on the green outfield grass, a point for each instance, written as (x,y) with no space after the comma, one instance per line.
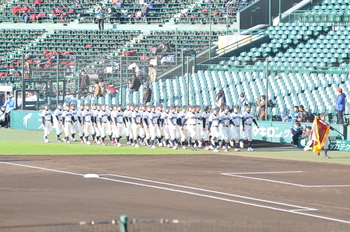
(24,142)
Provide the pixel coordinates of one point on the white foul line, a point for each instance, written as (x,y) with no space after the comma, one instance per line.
(210,191)
(296,211)
(279,182)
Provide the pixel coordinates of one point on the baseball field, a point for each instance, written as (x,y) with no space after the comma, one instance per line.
(275,188)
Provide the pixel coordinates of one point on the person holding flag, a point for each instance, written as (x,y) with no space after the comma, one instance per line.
(320,131)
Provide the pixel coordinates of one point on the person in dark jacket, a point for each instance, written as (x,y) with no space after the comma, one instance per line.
(340,105)
(147,94)
(297,132)
(135,83)
(84,81)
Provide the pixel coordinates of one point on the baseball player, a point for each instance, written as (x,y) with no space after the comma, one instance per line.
(79,122)
(67,123)
(136,120)
(117,116)
(153,125)
(95,113)
(110,125)
(172,126)
(93,120)
(225,130)
(103,118)
(142,128)
(236,118)
(58,122)
(164,126)
(145,122)
(87,123)
(326,143)
(205,123)
(159,133)
(191,119)
(213,128)
(128,129)
(199,127)
(182,125)
(75,126)
(47,121)
(247,120)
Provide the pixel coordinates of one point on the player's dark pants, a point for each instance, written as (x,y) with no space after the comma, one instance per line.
(295,139)
(100,24)
(340,119)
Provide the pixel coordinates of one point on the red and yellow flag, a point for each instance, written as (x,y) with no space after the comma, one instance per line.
(320,132)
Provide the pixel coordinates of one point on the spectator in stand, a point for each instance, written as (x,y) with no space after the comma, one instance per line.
(297,132)
(84,81)
(19,100)
(242,101)
(77,2)
(100,16)
(303,114)
(3,117)
(261,106)
(147,94)
(295,115)
(2,98)
(135,83)
(102,86)
(97,89)
(111,90)
(220,100)
(339,104)
(152,73)
(10,105)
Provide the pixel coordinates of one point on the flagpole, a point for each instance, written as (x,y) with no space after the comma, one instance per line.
(332,127)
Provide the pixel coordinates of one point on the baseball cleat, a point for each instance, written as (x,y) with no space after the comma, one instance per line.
(241,144)
(215,150)
(103,144)
(153,146)
(193,149)
(119,145)
(46,141)
(160,144)
(326,156)
(59,141)
(68,142)
(98,142)
(82,141)
(74,140)
(250,149)
(133,144)
(184,147)
(136,145)
(88,143)
(174,147)
(237,149)
(226,150)
(207,148)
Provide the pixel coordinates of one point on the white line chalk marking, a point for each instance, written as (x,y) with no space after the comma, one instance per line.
(294,211)
(242,175)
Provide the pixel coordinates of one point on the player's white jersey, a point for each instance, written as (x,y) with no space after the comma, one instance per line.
(247,118)
(87,115)
(164,116)
(136,117)
(146,117)
(214,119)
(117,116)
(154,118)
(182,117)
(127,115)
(58,114)
(192,118)
(103,116)
(172,119)
(79,115)
(46,114)
(236,119)
(67,116)
(225,118)
(75,115)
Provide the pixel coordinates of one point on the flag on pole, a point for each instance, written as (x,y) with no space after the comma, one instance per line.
(320,131)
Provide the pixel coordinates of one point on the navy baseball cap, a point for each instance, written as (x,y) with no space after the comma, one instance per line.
(236,107)
(184,107)
(216,109)
(60,104)
(322,115)
(226,107)
(3,106)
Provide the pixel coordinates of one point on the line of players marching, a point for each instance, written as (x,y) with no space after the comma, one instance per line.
(151,125)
